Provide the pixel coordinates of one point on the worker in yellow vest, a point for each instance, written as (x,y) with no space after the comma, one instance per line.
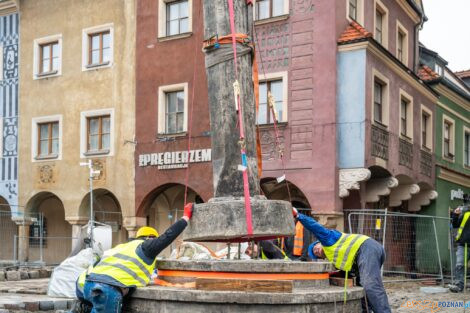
(346,250)
(461,221)
(128,266)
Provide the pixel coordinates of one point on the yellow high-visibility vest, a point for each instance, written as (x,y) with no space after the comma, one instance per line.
(462,225)
(125,266)
(343,252)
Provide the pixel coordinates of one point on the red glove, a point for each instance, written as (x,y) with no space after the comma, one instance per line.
(294,212)
(188,210)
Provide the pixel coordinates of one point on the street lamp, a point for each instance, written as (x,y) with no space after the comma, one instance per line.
(90,178)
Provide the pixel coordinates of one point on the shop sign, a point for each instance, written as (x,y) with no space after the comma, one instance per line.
(175,159)
(457,194)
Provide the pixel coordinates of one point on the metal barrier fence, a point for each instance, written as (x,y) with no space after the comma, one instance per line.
(44,250)
(417,247)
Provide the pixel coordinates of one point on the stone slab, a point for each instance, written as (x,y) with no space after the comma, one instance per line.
(33,274)
(246,266)
(2,276)
(24,275)
(224,219)
(13,275)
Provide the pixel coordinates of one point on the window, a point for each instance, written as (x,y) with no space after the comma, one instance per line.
(401,39)
(378,101)
(402,43)
(269,8)
(174,19)
(276,85)
(406,115)
(381,23)
(438,69)
(353,9)
(403,117)
(46,138)
(378,26)
(99,48)
(99,133)
(47,56)
(48,143)
(177,17)
(448,135)
(173,109)
(466,148)
(447,127)
(424,129)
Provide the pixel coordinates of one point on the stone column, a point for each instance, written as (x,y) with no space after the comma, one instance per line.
(133,223)
(77,224)
(23,239)
(224,217)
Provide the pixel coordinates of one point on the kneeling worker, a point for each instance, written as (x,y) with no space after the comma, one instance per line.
(129,265)
(346,250)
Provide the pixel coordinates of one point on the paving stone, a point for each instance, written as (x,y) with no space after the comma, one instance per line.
(15,306)
(24,275)
(60,305)
(33,274)
(46,305)
(31,306)
(43,273)
(13,275)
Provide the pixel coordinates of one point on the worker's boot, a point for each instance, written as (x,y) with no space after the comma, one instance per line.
(455,288)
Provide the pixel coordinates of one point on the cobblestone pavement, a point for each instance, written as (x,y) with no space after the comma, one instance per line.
(30,296)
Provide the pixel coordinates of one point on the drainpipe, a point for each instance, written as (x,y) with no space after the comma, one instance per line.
(418,27)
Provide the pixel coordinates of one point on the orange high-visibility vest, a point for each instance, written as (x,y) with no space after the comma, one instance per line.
(298,239)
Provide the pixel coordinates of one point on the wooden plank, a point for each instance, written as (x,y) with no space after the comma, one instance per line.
(277,286)
(339,281)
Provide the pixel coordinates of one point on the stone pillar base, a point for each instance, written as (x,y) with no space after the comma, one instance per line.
(133,223)
(224,220)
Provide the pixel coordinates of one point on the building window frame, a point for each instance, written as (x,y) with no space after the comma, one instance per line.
(35,133)
(379,7)
(162,20)
(466,147)
(85,117)
(404,97)
(427,144)
(450,154)
(401,30)
(270,18)
(378,77)
(37,56)
(284,77)
(359,12)
(101,133)
(162,111)
(87,34)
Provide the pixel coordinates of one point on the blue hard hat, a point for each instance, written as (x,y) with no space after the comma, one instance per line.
(310,250)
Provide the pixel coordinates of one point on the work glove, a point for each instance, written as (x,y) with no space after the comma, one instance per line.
(295,212)
(188,210)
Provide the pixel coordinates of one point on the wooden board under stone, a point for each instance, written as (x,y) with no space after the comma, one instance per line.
(284,286)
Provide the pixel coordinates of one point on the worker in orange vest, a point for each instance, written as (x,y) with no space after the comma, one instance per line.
(296,247)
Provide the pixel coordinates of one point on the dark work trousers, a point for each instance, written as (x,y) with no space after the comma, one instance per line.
(369,259)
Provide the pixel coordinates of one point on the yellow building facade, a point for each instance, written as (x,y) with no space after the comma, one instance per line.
(77,103)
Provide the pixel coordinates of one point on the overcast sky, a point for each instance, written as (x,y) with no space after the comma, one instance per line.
(448,31)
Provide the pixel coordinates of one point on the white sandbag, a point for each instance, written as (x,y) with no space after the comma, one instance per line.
(64,276)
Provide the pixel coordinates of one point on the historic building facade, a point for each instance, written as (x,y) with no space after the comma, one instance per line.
(385,148)
(337,153)
(77,99)
(452,120)
(9,41)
